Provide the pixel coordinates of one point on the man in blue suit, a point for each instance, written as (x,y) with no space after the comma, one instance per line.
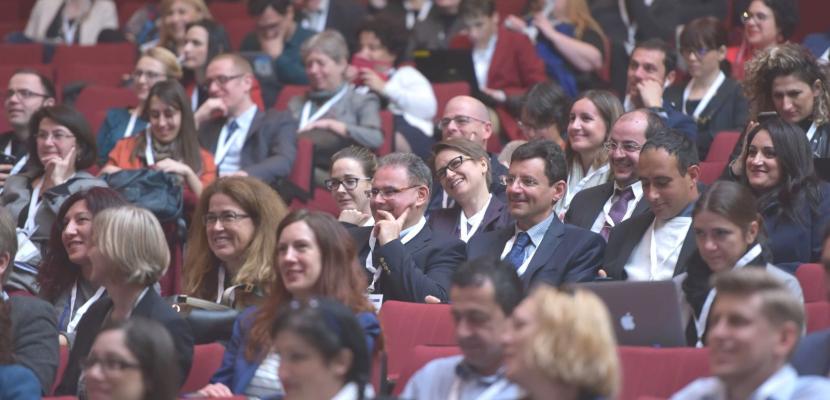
(540,247)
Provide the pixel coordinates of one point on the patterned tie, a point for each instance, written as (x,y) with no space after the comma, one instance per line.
(232,127)
(516,256)
(618,210)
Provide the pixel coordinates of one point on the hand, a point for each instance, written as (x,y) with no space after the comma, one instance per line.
(651,93)
(497,95)
(353,217)
(62,340)
(602,274)
(273,46)
(213,107)
(329,124)
(737,165)
(58,169)
(4,173)
(430,299)
(389,228)
(515,23)
(542,22)
(172,166)
(215,390)
(372,80)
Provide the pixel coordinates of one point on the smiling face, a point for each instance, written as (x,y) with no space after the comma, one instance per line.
(517,337)
(793,98)
(323,72)
(354,199)
(763,170)
(228,242)
(371,48)
(468,179)
(531,197)
(77,233)
(394,178)
(629,130)
(236,92)
(586,128)
(664,188)
(180,14)
(720,241)
(761,30)
(165,120)
(304,372)
(195,51)
(53,141)
(467,118)
(103,383)
(18,109)
(646,64)
(152,72)
(479,324)
(299,260)
(481,28)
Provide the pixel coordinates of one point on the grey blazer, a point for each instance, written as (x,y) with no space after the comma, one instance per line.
(359,111)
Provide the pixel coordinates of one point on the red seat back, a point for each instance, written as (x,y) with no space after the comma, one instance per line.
(206,360)
(446,91)
(722,146)
(21,54)
(660,371)
(387,125)
(420,356)
(64,359)
(322,200)
(302,173)
(237,29)
(103,75)
(106,54)
(813,282)
(95,99)
(224,12)
(818,316)
(710,171)
(288,92)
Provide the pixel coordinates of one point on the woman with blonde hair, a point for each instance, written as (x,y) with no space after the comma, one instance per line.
(232,242)
(561,346)
(175,15)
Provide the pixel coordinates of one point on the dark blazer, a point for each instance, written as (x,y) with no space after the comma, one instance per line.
(151,306)
(35,336)
(445,220)
(346,16)
(567,253)
(797,241)
(270,146)
(587,205)
(625,237)
(727,111)
(812,355)
(412,271)
(677,120)
(431,34)
(817,42)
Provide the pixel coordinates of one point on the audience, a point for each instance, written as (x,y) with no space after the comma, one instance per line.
(539,246)
(232,242)
(545,113)
(352,170)
(441,24)
(16,381)
(766,23)
(404,12)
(483,295)
(657,244)
(69,22)
(344,16)
(560,345)
(204,40)
(174,17)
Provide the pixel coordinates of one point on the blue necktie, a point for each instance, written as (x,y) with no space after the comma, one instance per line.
(232,127)
(516,256)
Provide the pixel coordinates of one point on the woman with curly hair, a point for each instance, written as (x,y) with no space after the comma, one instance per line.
(766,23)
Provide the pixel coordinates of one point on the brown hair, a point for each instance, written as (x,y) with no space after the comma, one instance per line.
(778,304)
(609,107)
(75,122)
(464,146)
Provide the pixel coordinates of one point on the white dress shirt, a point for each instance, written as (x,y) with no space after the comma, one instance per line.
(655,257)
(783,385)
(481,61)
(231,159)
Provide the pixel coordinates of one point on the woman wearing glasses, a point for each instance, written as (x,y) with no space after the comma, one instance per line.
(351,176)
(711,97)
(462,167)
(232,241)
(766,23)
(155,65)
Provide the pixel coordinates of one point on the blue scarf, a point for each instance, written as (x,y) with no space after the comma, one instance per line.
(556,66)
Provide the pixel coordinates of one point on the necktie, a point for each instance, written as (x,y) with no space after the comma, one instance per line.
(232,127)
(618,210)
(516,256)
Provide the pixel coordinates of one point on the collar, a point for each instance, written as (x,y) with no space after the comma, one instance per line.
(409,233)
(780,385)
(491,47)
(537,232)
(245,119)
(479,215)
(464,371)
(636,187)
(687,211)
(319,96)
(323,7)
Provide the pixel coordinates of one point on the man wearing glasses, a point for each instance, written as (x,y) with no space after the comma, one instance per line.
(27,92)
(602,207)
(404,259)
(542,249)
(243,139)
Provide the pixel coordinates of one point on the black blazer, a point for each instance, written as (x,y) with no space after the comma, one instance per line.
(270,145)
(625,237)
(412,271)
(35,336)
(151,306)
(445,220)
(346,16)
(812,355)
(727,111)
(567,253)
(587,205)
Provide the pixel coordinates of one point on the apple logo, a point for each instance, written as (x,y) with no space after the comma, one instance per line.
(627,322)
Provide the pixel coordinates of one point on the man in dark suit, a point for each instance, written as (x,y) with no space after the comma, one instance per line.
(441,24)
(34,330)
(344,16)
(540,247)
(244,140)
(657,244)
(602,207)
(404,259)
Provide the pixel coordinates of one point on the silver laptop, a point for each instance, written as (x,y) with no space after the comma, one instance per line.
(643,313)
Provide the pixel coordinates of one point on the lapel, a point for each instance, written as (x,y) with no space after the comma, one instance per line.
(593,205)
(420,241)
(211,134)
(446,220)
(361,241)
(717,100)
(255,125)
(493,212)
(631,234)
(689,248)
(546,249)
(499,58)
(641,207)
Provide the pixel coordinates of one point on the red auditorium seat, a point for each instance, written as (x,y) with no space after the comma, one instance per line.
(659,372)
(104,75)
(21,54)
(126,9)
(94,99)
(813,282)
(420,356)
(508,7)
(224,12)
(287,92)
(710,171)
(237,29)
(446,91)
(106,54)
(321,200)
(387,125)
(722,146)
(206,360)
(302,174)
(812,19)
(818,316)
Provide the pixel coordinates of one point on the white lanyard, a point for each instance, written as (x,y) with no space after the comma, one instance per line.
(490,393)
(148,148)
(584,181)
(474,222)
(370,265)
(34,203)
(69,30)
(76,317)
(220,284)
(19,164)
(811,132)
(130,125)
(704,101)
(655,263)
(304,117)
(224,144)
(194,98)
(700,322)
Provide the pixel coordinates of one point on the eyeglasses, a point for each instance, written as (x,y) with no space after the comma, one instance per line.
(387,193)
(524,181)
(628,147)
(150,75)
(348,183)
(699,53)
(759,17)
(56,136)
(24,94)
(108,364)
(226,217)
(453,165)
(460,120)
(221,80)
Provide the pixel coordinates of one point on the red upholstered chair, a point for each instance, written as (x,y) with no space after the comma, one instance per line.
(722,146)
(206,360)
(103,75)
(818,316)
(710,171)
(288,92)
(660,372)
(387,125)
(507,7)
(94,99)
(237,29)
(321,200)
(126,9)
(813,282)
(420,356)
(446,91)
(99,54)
(224,12)
(21,54)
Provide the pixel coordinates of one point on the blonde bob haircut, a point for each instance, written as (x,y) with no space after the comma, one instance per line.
(574,343)
(172,68)
(132,242)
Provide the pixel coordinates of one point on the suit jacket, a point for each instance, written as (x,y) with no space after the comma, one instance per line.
(35,337)
(817,42)
(812,355)
(410,272)
(796,241)
(587,205)
(151,306)
(430,34)
(270,145)
(566,254)
(445,221)
(625,237)
(346,16)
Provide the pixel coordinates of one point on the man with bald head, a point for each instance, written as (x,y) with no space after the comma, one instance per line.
(602,207)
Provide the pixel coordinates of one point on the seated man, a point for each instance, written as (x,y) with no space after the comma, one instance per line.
(243,139)
(602,207)
(404,260)
(344,16)
(542,249)
(440,25)
(754,326)
(34,329)
(657,244)
(812,356)
(484,293)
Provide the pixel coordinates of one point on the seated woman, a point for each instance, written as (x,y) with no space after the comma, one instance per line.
(462,167)
(65,275)
(232,242)
(711,98)
(169,144)
(315,258)
(204,39)
(322,350)
(155,65)
(352,170)
(70,22)
(729,234)
(592,115)
(332,114)
(129,255)
(795,205)
(175,15)
(61,147)
(561,346)
(409,94)
(16,380)
(133,360)
(766,23)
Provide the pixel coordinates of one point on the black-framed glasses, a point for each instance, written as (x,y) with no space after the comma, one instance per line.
(453,165)
(387,193)
(108,364)
(24,94)
(627,146)
(524,181)
(459,120)
(349,183)
(221,80)
(759,17)
(226,217)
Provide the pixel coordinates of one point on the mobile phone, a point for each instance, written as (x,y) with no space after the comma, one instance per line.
(7,159)
(766,115)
